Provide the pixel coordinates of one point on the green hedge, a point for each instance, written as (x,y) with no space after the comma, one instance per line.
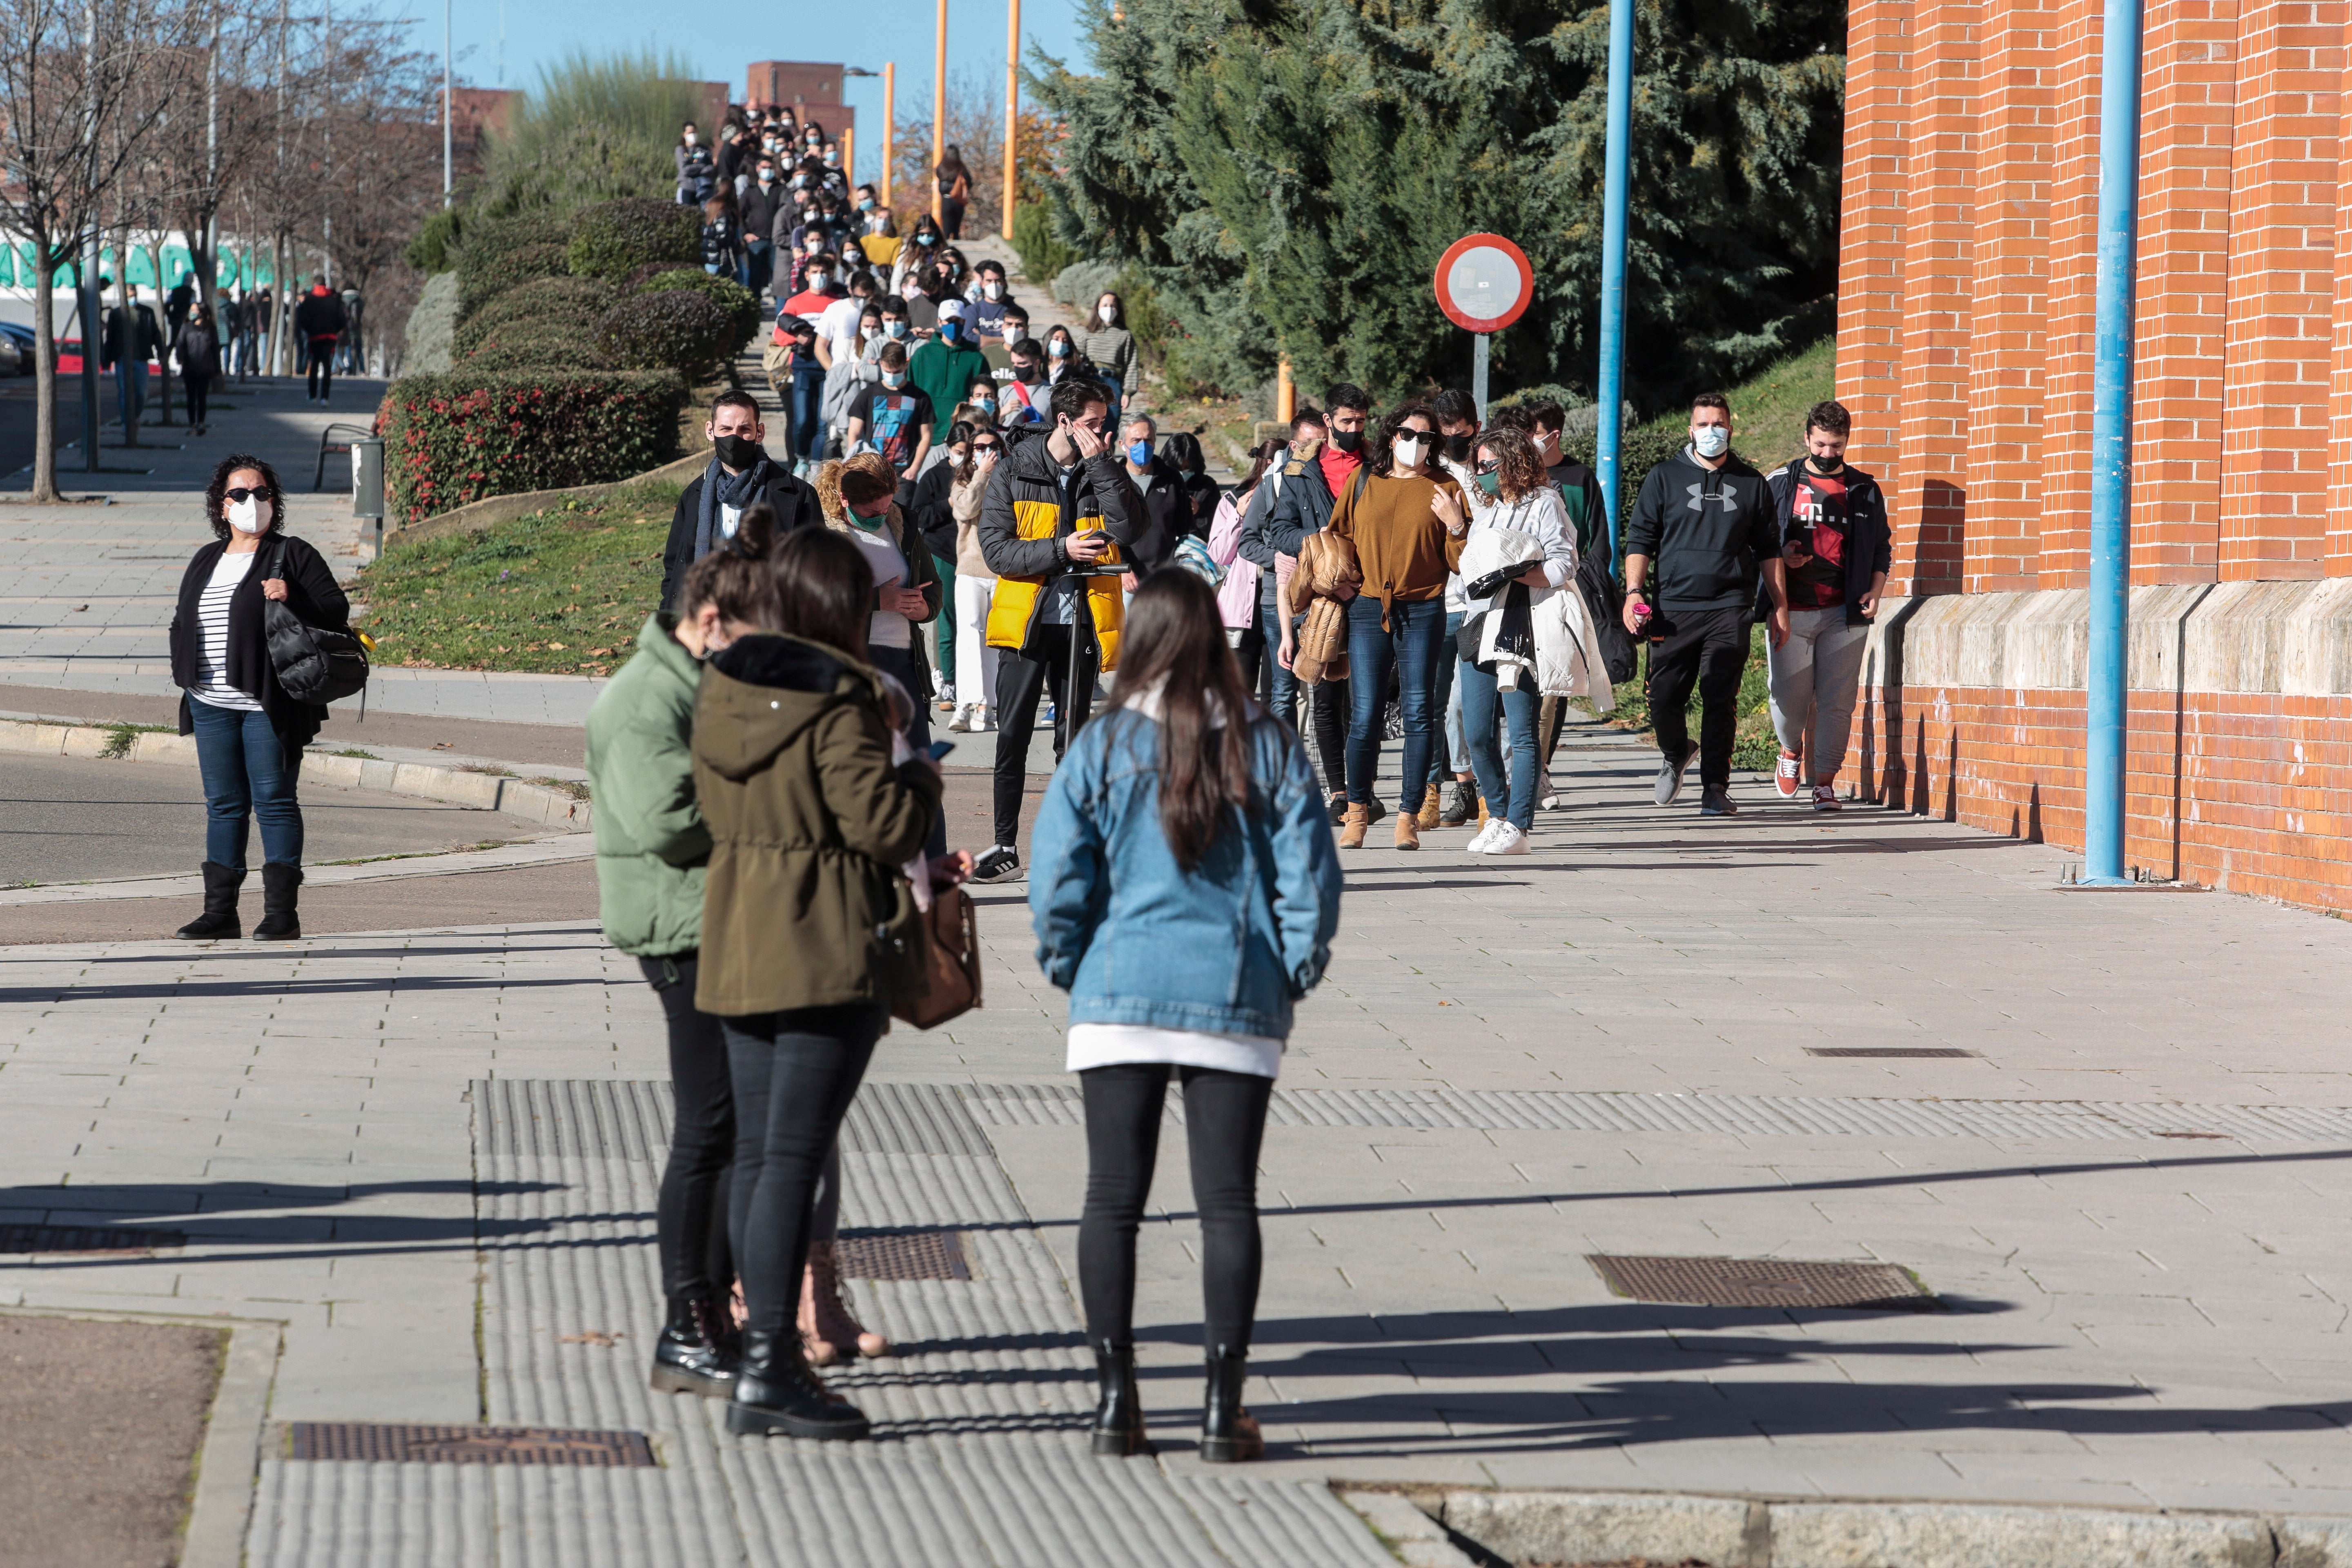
(740,304)
(534,344)
(684,329)
(612,239)
(493,256)
(576,302)
(460,436)
(1043,256)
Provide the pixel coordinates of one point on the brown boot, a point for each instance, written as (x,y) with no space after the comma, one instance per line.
(1351,832)
(1427,815)
(827,1331)
(1408,831)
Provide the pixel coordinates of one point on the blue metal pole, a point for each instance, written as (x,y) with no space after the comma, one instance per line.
(2107,698)
(1610,436)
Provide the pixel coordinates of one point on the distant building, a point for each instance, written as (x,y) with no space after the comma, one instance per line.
(810,91)
(474,111)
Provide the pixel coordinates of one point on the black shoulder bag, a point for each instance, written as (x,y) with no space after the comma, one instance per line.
(313,664)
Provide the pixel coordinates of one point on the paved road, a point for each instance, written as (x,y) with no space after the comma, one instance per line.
(65,819)
(2127,1198)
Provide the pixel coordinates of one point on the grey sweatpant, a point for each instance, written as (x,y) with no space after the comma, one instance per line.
(1814,677)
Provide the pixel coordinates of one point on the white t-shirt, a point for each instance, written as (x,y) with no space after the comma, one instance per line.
(888,628)
(212,624)
(838,326)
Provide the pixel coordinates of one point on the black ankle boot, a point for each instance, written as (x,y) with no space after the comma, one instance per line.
(1118,1417)
(219,922)
(1229,1434)
(698,1351)
(278,922)
(776,1391)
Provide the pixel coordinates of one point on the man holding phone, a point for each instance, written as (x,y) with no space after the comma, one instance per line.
(1059,518)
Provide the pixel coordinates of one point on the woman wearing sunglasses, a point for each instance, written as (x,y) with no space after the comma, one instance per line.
(250,734)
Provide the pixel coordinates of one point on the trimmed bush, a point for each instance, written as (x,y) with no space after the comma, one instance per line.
(741,304)
(457,437)
(614,238)
(534,344)
(578,302)
(495,257)
(683,329)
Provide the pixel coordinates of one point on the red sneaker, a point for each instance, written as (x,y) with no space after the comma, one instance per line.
(1825,798)
(1784,775)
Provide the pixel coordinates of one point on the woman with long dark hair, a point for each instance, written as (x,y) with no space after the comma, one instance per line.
(1394,513)
(250,734)
(810,930)
(1184,894)
(955,191)
(199,348)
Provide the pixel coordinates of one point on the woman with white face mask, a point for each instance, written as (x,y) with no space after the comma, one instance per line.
(250,734)
(1105,341)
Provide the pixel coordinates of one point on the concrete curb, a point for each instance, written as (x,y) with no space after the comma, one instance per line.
(1734,1532)
(533,803)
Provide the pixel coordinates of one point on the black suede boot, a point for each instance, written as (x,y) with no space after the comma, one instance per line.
(776,1391)
(219,922)
(278,920)
(1118,1417)
(699,1350)
(1229,1434)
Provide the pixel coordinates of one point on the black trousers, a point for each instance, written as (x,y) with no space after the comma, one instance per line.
(794,1075)
(1256,659)
(199,389)
(1021,679)
(1224,1119)
(319,379)
(691,1216)
(1708,648)
(1327,705)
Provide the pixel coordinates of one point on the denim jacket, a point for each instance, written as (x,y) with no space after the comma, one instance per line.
(1226,949)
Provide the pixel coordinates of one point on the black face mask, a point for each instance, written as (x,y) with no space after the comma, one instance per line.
(1030,374)
(738,451)
(1826,465)
(1457,448)
(1347,440)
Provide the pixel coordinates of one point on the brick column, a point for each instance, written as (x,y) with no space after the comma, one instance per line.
(2186,137)
(2014,111)
(2065,559)
(1870,233)
(2338,559)
(2278,374)
(1930,494)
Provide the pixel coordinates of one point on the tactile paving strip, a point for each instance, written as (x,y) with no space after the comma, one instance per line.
(1763,1282)
(381,1443)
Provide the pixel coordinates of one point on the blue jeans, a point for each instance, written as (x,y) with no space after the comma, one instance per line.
(1412,644)
(246,772)
(1517,799)
(759,256)
(808,417)
(1449,700)
(1283,696)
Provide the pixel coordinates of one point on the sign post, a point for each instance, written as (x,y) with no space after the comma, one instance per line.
(1484,284)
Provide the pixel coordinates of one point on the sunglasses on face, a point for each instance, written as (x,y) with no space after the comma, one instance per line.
(241,495)
(1491,466)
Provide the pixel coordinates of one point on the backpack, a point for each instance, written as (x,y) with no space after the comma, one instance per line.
(1604,603)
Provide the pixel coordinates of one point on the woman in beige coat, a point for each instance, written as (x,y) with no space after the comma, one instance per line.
(974,586)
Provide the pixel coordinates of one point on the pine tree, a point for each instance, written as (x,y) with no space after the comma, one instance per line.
(1286,173)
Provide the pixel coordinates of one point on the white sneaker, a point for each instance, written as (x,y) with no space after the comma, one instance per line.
(1546,792)
(961,722)
(1509,840)
(1485,836)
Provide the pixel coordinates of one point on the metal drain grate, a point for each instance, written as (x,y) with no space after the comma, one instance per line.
(902,1254)
(370,1442)
(1764,1282)
(85,1238)
(1904,1051)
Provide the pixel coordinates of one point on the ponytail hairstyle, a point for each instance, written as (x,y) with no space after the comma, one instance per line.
(734,579)
(1175,643)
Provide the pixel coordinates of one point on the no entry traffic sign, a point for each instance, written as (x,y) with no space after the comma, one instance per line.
(1484,282)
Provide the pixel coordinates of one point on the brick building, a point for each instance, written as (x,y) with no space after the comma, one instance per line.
(812,91)
(1965,352)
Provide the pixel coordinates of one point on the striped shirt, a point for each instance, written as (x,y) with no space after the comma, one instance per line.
(212,623)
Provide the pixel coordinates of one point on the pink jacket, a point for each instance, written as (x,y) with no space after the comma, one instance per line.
(1237,594)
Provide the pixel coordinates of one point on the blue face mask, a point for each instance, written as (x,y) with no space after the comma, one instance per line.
(984,405)
(950,330)
(1139,454)
(894,379)
(895,329)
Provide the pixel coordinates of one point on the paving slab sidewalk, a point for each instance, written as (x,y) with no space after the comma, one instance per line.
(2127,1201)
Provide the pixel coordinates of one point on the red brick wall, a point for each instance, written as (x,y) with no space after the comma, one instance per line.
(1870,236)
(2063,559)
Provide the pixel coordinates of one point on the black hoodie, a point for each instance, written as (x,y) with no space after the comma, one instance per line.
(1704,530)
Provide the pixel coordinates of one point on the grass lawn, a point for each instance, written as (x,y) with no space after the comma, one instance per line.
(1768,411)
(560,592)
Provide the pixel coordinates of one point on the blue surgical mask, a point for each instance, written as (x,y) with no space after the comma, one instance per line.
(1058,348)
(1712,440)
(1139,453)
(985,404)
(865,204)
(895,329)
(894,379)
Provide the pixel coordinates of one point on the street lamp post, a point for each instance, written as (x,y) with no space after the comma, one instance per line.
(940,116)
(1608,433)
(1012,112)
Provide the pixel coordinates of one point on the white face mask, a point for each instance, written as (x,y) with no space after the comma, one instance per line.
(1409,450)
(249,516)
(993,290)
(1711,440)
(690,138)
(1108,315)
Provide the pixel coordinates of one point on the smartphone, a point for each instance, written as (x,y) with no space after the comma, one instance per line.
(938,748)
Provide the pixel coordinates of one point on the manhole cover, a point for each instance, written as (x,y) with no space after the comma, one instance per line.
(1886,1051)
(367,1440)
(1763,1282)
(902,1254)
(85,1238)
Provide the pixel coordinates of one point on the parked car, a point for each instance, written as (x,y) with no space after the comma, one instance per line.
(13,360)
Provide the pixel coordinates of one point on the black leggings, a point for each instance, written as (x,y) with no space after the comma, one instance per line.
(1225,1118)
(199,389)
(319,379)
(794,1075)
(691,1224)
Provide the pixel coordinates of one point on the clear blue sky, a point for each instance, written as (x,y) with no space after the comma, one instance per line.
(867,33)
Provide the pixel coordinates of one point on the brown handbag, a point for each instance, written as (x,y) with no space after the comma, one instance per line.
(951,962)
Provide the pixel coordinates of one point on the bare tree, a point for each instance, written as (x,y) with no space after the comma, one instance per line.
(81,84)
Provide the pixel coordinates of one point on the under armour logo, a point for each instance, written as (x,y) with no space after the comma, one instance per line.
(1698,502)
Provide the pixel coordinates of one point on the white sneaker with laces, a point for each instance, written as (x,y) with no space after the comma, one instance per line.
(1546,792)
(1483,836)
(1784,774)
(1508,840)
